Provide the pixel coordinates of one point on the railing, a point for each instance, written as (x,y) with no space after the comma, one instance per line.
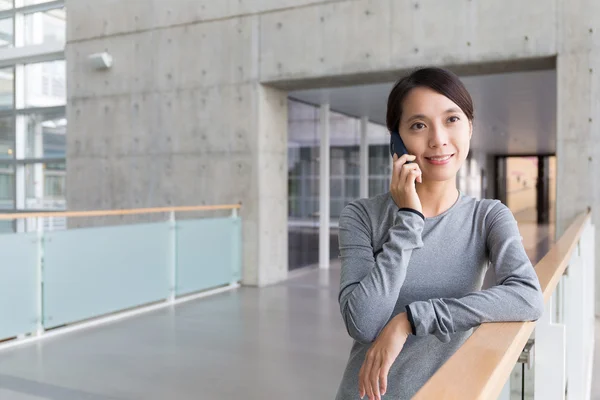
(564,336)
(51,279)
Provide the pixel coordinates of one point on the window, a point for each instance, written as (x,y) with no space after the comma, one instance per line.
(45,27)
(7,138)
(45,84)
(32,110)
(6,4)
(45,136)
(7,82)
(379,169)
(45,185)
(7,186)
(6,32)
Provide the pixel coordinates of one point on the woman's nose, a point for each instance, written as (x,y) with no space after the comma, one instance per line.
(438,137)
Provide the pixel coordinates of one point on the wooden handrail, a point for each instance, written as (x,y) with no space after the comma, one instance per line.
(105,213)
(480,367)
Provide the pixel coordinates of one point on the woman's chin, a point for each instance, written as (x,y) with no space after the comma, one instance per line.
(439,177)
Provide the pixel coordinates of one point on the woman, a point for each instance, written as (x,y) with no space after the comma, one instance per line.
(414,259)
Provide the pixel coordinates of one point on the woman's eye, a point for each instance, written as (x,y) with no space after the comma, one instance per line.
(453,119)
(417,126)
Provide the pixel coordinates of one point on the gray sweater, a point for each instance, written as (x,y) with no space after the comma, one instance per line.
(395,261)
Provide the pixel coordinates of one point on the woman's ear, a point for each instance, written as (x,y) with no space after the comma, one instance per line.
(470,129)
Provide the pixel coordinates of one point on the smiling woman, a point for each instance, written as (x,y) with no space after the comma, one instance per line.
(433,112)
(413,259)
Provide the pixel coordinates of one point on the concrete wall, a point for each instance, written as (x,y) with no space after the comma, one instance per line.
(184,107)
(181,118)
(578,119)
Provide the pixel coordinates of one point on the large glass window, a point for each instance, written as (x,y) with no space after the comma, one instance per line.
(7,138)
(45,186)
(7,186)
(6,32)
(303,184)
(303,164)
(6,4)
(380,162)
(45,27)
(7,194)
(379,169)
(7,87)
(344,162)
(45,84)
(32,111)
(304,170)
(45,136)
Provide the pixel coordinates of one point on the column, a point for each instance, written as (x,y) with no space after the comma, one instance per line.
(324,198)
(578,116)
(364,158)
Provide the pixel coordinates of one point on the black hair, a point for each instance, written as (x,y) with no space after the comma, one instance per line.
(438,79)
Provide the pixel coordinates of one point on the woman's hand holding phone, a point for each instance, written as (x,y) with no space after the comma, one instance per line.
(403,187)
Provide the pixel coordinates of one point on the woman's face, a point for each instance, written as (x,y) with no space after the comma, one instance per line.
(436,131)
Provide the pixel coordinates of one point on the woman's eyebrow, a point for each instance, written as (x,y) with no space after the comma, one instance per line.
(422,116)
(416,116)
(452,110)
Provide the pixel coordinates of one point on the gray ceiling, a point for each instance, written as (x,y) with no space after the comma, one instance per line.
(515,113)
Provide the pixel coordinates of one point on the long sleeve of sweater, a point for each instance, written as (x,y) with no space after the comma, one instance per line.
(370,284)
(515,297)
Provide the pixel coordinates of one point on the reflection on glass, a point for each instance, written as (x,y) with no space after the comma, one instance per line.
(45,136)
(45,27)
(6,32)
(45,186)
(7,138)
(7,186)
(45,84)
(7,78)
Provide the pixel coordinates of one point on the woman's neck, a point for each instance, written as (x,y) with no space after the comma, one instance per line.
(437,197)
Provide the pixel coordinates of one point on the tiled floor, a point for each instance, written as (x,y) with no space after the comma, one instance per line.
(281,342)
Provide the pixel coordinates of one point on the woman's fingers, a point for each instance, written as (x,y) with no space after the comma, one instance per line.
(408,175)
(383,375)
(400,162)
(382,381)
(366,374)
(402,185)
(361,385)
(374,377)
(414,175)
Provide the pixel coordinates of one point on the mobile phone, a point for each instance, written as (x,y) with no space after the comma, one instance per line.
(397,145)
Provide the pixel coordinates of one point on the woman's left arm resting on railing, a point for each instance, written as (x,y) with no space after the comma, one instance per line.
(516,297)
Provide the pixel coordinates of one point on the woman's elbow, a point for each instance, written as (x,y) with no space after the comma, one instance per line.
(537,306)
(362,336)
(361,331)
